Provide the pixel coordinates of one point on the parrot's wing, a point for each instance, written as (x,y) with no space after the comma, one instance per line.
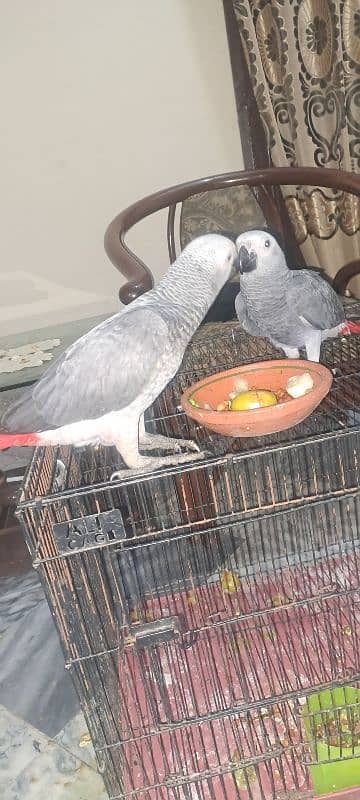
(249,325)
(105,370)
(314,300)
(240,308)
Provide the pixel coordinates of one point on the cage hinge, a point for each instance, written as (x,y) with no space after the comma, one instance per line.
(147,634)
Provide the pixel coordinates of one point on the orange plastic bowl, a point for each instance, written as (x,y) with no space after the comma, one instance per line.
(272,375)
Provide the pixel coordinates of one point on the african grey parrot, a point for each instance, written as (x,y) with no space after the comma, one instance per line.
(292,308)
(96,392)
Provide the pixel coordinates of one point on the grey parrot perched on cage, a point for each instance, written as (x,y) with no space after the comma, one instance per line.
(293,308)
(97,391)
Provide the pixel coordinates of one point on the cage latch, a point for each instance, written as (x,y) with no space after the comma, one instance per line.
(159,631)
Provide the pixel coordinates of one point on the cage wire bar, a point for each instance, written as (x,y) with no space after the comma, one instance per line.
(200,608)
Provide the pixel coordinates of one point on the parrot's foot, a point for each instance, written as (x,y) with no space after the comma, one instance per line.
(148,464)
(290,352)
(60,477)
(154,441)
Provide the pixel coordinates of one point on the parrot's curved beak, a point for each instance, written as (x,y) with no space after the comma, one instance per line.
(247,259)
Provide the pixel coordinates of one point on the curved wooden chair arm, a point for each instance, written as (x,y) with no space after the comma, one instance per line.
(139,277)
(344,275)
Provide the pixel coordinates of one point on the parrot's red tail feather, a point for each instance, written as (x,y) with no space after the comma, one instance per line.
(350,326)
(18,440)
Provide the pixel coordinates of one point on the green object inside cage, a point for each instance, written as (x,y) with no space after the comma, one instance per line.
(340,767)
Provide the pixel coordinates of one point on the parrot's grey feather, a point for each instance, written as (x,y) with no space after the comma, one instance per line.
(103,371)
(22,415)
(314,300)
(249,325)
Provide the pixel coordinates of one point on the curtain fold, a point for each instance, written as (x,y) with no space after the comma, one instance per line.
(304,63)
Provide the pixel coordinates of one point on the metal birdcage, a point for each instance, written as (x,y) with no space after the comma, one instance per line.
(201,610)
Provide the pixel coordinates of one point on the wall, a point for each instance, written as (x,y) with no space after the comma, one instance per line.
(101,104)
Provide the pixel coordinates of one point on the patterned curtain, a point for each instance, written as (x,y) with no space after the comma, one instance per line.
(304,63)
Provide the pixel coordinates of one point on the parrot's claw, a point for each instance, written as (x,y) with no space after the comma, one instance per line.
(189,444)
(147,464)
(60,476)
(154,441)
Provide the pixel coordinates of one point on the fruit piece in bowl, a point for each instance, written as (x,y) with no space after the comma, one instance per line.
(253,398)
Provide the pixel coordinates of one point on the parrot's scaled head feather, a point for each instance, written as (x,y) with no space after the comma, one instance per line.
(213,254)
(259,251)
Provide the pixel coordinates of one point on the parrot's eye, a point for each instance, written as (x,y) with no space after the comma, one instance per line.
(267,243)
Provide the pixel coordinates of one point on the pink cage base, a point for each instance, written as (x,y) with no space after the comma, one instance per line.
(271,658)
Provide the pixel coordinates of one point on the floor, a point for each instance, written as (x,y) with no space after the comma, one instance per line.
(45,748)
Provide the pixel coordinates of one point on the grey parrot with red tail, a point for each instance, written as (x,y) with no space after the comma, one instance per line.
(97,391)
(293,308)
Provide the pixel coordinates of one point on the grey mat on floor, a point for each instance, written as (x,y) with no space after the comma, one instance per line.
(33,682)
